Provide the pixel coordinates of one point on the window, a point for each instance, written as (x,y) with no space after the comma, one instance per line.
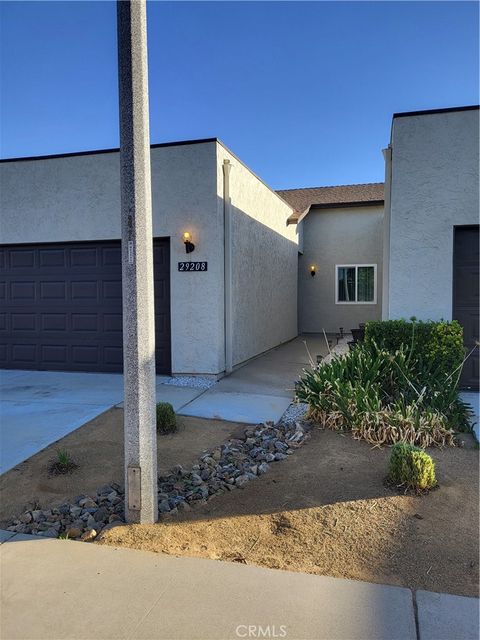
(356,284)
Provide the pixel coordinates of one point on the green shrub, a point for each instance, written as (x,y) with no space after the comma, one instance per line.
(411,467)
(166,419)
(438,346)
(385,397)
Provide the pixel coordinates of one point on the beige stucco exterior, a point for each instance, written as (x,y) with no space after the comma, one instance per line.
(77,198)
(434,186)
(264,262)
(337,236)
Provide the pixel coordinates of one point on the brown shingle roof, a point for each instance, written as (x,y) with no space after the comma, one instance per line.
(343,195)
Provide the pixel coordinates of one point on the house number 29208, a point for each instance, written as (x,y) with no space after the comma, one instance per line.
(193,266)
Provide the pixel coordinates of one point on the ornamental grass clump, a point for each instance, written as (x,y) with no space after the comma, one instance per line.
(411,468)
(62,464)
(384,396)
(166,418)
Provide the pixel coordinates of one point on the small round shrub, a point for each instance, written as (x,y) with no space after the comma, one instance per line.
(411,467)
(166,419)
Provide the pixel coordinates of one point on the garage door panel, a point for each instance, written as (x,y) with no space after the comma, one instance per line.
(22,291)
(53,321)
(55,290)
(21,258)
(24,322)
(65,311)
(54,354)
(52,258)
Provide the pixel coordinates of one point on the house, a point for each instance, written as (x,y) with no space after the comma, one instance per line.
(431,235)
(340,233)
(233,297)
(338,256)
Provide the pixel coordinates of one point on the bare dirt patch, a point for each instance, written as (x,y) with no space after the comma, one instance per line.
(324,510)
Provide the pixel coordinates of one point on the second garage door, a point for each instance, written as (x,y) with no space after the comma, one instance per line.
(61,306)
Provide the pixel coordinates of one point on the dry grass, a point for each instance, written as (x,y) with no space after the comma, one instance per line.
(381,429)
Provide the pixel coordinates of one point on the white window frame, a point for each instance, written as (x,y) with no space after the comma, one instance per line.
(342,266)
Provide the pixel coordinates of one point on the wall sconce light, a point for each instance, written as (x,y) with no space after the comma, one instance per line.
(187,241)
(313,270)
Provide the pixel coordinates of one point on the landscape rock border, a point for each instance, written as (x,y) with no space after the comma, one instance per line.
(228,466)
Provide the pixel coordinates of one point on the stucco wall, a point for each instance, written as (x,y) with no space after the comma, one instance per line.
(78,198)
(264,263)
(435,177)
(335,237)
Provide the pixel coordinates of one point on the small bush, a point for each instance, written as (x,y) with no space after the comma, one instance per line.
(411,467)
(166,419)
(438,346)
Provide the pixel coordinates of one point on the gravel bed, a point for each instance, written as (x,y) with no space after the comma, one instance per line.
(225,468)
(296,411)
(193,382)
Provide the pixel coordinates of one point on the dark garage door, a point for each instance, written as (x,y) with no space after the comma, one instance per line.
(61,306)
(466,298)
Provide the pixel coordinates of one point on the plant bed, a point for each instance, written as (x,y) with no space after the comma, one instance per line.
(386,395)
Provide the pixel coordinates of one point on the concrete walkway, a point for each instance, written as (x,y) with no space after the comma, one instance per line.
(260,390)
(68,590)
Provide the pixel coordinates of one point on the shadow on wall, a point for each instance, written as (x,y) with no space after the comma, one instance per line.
(264,284)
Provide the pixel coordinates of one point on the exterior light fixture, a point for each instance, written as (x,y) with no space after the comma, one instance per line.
(187,241)
(313,270)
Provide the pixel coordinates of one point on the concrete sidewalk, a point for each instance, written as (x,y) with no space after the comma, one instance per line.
(263,388)
(67,590)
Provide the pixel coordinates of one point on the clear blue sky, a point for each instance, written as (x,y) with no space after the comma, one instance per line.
(302,92)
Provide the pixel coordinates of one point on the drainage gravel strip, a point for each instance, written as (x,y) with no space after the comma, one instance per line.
(192,382)
(218,471)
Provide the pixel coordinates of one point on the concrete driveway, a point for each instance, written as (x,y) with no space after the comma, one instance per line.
(39,407)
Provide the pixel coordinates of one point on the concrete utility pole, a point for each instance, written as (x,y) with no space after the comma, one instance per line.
(137,266)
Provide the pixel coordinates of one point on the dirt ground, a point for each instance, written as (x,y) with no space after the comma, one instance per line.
(97,448)
(323,510)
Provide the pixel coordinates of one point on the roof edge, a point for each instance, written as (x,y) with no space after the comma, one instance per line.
(426,112)
(234,155)
(93,152)
(332,186)
(298,216)
(346,205)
